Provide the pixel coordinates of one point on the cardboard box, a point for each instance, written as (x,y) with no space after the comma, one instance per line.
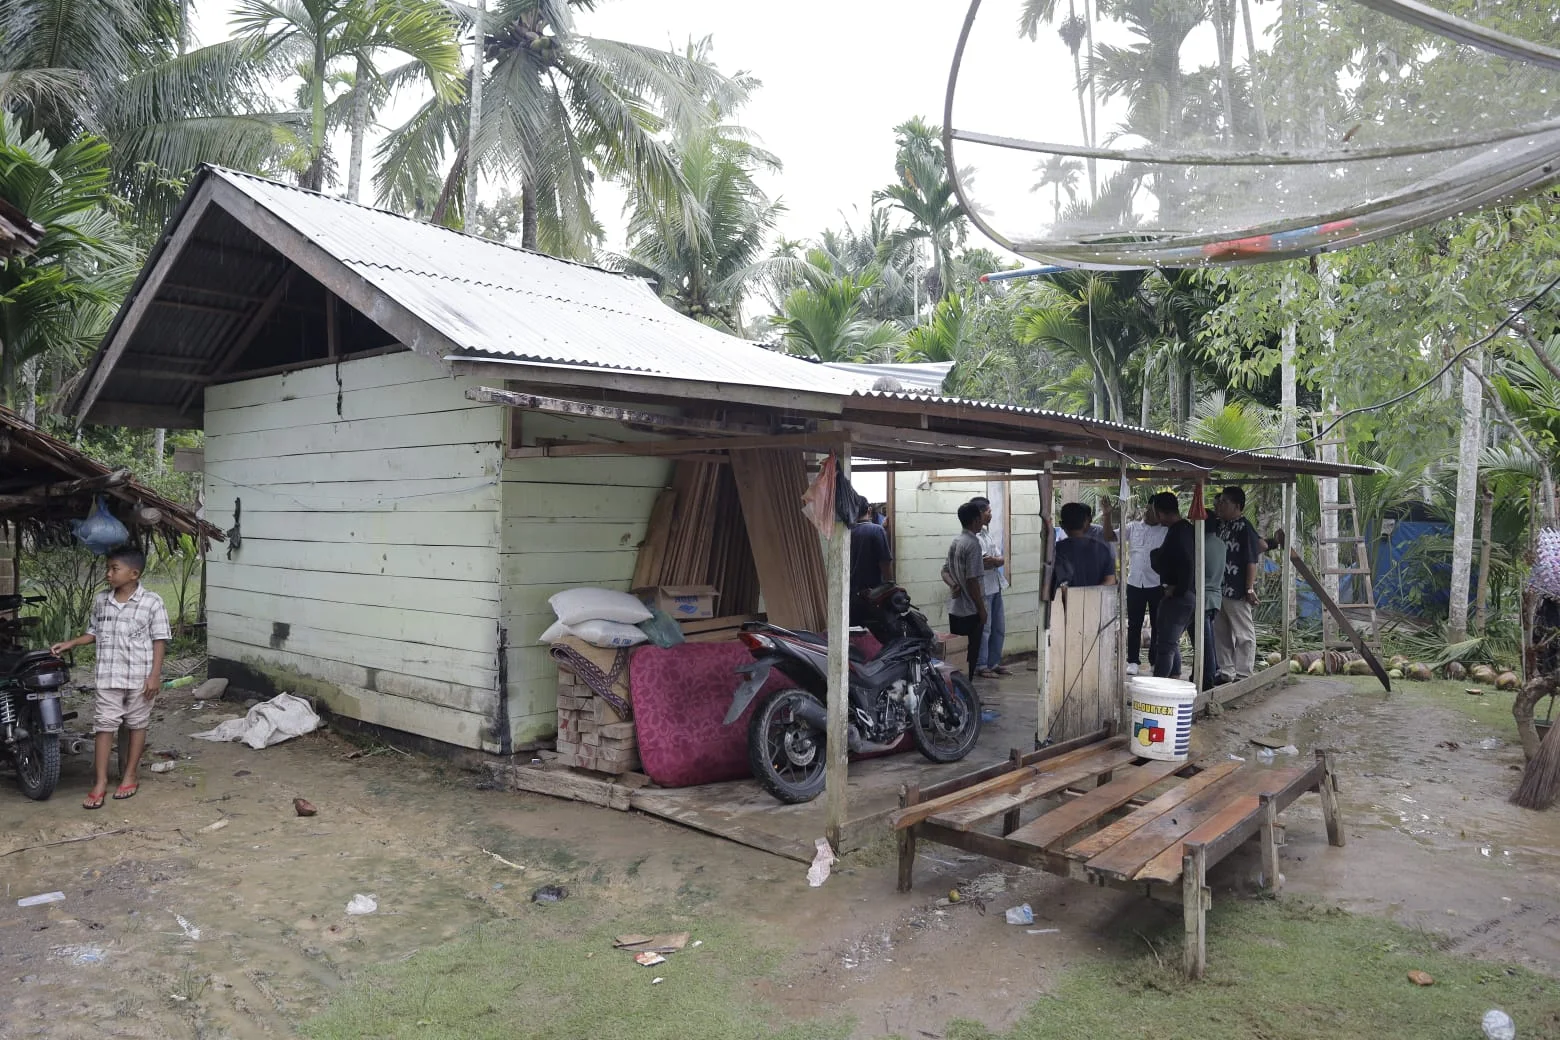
(683,602)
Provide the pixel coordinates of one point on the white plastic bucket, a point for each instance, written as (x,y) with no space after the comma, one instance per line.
(1161,716)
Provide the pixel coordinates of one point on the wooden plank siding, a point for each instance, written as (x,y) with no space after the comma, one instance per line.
(567,522)
(925,522)
(371,519)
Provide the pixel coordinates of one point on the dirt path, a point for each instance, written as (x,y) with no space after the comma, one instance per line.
(1431,842)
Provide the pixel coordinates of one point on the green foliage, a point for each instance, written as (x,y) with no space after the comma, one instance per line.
(68,578)
(179,566)
(823,318)
(924,194)
(60,298)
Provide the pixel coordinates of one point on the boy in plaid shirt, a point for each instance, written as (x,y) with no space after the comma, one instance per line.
(130,627)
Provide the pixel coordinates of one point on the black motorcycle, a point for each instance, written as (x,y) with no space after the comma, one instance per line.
(31,718)
(902,689)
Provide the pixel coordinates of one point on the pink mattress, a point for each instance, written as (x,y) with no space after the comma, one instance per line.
(680,696)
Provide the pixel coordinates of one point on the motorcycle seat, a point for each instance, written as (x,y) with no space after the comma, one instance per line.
(817,640)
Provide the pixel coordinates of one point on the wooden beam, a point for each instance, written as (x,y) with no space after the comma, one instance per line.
(145,416)
(332,327)
(230,354)
(610,413)
(822,441)
(232,312)
(135,308)
(1339,616)
(837,589)
(299,366)
(1232,692)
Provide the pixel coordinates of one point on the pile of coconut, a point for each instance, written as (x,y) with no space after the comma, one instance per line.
(1336,662)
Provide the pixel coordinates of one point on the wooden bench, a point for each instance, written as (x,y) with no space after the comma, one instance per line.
(1119,820)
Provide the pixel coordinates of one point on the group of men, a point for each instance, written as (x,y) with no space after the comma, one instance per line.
(1160,573)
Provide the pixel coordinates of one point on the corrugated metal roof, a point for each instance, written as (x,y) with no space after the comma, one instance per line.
(913,377)
(496,300)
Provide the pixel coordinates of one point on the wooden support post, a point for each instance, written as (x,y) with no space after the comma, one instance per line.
(1286,571)
(1269,836)
(1012,819)
(1328,789)
(1195,900)
(1342,619)
(837,585)
(909,794)
(1199,626)
(1043,644)
(1124,542)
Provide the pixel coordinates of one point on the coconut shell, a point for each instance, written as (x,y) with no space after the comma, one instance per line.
(1455,671)
(1398,661)
(1294,668)
(1275,658)
(1317,668)
(1482,673)
(1394,673)
(1357,668)
(1507,681)
(1419,672)
(1337,662)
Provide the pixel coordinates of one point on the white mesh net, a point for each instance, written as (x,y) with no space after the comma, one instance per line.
(1177,132)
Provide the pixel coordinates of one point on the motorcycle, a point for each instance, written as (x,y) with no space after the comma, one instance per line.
(904,688)
(31,718)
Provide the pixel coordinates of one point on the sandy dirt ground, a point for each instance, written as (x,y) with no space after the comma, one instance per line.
(205,907)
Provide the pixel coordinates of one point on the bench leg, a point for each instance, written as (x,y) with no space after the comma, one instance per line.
(1012,818)
(1195,900)
(908,795)
(1270,840)
(1329,793)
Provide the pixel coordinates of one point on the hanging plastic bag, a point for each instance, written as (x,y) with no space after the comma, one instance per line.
(100,532)
(663,630)
(818,501)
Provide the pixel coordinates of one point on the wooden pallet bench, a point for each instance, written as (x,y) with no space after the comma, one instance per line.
(1119,820)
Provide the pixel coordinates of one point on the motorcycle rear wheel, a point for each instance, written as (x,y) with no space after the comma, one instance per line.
(786,754)
(946,724)
(38,765)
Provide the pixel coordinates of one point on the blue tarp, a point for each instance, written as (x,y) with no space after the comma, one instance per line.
(1399,586)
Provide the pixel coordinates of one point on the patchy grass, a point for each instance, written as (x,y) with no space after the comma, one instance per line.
(1284,971)
(1491,709)
(545,974)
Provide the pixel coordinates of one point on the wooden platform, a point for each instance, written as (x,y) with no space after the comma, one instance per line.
(1116,819)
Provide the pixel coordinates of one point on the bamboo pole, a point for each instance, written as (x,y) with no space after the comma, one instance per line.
(1043,643)
(1124,541)
(1287,570)
(1199,625)
(837,582)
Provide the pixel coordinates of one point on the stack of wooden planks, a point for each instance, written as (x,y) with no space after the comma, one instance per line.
(591,732)
(701,534)
(786,549)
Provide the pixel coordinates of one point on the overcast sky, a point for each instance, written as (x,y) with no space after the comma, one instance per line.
(837,76)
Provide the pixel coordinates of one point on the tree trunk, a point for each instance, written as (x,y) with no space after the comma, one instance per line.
(1224,29)
(474,108)
(159,445)
(1467,492)
(528,215)
(314,174)
(1083,115)
(1089,11)
(1101,408)
(30,390)
(359,130)
(1481,598)
(1143,407)
(1251,72)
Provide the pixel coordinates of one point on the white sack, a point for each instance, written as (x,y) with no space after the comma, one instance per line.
(280,718)
(576,605)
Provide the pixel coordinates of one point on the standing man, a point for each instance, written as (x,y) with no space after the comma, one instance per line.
(1176,562)
(1213,599)
(871,561)
(1081,559)
(1235,630)
(992,583)
(1144,587)
(966,571)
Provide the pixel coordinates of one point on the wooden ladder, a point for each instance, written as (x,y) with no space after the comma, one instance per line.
(1357,596)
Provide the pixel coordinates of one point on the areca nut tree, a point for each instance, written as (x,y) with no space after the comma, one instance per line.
(119,69)
(823,319)
(1060,174)
(924,193)
(1099,317)
(561,110)
(61,297)
(321,37)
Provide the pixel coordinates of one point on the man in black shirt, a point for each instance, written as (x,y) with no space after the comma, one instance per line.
(1081,559)
(1176,563)
(1235,629)
(871,561)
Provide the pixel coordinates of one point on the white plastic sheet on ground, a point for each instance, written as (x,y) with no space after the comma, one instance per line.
(280,718)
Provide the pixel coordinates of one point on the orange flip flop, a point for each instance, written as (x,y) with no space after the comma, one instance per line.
(126,791)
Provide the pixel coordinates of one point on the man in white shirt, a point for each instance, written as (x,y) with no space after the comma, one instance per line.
(993,581)
(1144,589)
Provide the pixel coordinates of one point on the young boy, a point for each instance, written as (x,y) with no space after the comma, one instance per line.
(130,627)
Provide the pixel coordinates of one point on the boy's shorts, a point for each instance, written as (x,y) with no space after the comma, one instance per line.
(129,707)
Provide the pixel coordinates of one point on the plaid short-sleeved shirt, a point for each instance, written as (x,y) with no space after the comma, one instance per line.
(125,633)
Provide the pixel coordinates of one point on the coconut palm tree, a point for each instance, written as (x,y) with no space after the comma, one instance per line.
(924,193)
(61,297)
(703,250)
(120,69)
(1061,174)
(326,39)
(1098,317)
(560,111)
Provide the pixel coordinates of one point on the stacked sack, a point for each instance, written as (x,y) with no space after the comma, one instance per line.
(600,617)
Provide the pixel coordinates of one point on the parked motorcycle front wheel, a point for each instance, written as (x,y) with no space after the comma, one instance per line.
(946,723)
(786,753)
(38,765)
